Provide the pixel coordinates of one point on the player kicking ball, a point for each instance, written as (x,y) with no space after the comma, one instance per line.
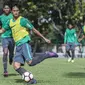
(19,26)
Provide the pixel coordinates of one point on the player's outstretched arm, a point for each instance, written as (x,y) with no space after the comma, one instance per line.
(80,39)
(2,30)
(39,34)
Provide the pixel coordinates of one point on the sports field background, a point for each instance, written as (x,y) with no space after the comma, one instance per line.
(50,72)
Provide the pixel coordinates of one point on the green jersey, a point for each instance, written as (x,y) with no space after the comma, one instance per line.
(70,36)
(83,33)
(24,23)
(83,29)
(4,18)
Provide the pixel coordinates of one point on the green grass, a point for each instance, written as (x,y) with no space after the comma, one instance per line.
(50,72)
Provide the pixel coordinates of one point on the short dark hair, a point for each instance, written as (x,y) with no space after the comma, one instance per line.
(70,22)
(6,4)
(16,5)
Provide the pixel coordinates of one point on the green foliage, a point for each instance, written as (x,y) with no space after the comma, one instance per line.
(61,11)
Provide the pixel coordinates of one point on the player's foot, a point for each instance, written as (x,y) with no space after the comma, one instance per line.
(33,81)
(52,54)
(5,74)
(69,60)
(10,61)
(72,61)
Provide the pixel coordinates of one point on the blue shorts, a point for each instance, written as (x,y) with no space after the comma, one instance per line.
(23,53)
(8,42)
(70,46)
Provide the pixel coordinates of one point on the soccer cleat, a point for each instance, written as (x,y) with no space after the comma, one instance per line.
(5,74)
(52,54)
(33,81)
(69,60)
(72,61)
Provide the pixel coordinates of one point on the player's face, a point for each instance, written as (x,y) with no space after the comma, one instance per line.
(70,26)
(6,9)
(15,11)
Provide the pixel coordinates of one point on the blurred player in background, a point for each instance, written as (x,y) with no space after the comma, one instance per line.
(83,35)
(7,40)
(70,40)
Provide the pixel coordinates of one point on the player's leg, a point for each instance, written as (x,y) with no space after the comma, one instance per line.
(21,71)
(11,50)
(73,55)
(5,54)
(68,51)
(5,59)
(18,60)
(38,59)
(35,60)
(73,51)
(17,67)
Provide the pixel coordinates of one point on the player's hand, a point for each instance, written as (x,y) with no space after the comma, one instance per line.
(47,40)
(79,40)
(2,31)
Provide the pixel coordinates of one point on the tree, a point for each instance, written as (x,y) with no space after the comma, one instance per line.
(50,17)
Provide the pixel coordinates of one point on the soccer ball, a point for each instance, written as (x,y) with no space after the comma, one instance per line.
(27,76)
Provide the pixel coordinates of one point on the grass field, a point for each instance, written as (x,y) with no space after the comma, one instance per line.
(50,72)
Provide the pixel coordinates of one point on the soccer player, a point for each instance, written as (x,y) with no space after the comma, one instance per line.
(7,40)
(20,26)
(70,40)
(83,35)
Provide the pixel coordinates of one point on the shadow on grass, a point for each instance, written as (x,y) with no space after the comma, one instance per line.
(38,81)
(19,81)
(12,74)
(46,81)
(75,75)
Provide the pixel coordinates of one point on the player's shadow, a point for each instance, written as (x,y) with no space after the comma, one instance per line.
(12,74)
(75,75)
(19,81)
(46,81)
(38,81)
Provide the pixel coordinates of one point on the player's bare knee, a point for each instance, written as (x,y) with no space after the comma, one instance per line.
(5,53)
(16,65)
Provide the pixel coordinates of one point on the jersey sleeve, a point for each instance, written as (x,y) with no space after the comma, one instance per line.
(0,21)
(6,26)
(75,36)
(83,30)
(65,37)
(26,23)
(0,18)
